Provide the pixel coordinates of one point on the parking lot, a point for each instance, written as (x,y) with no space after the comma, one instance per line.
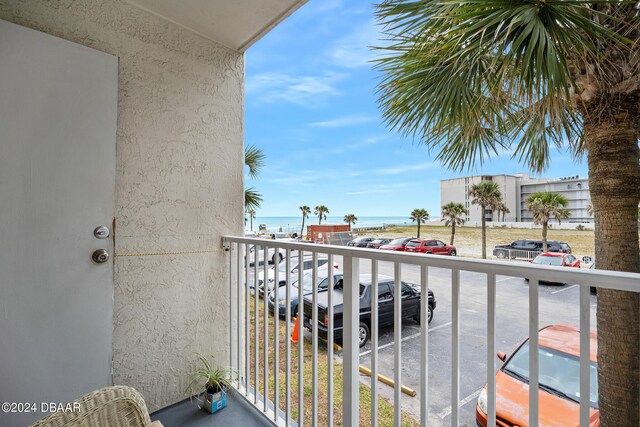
(558,304)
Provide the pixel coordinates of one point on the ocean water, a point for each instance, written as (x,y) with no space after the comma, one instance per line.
(293,224)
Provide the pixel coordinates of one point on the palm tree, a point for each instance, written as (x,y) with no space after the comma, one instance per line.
(350,219)
(472,81)
(252,214)
(502,209)
(420,216)
(306,210)
(486,194)
(254,160)
(545,205)
(452,215)
(321,211)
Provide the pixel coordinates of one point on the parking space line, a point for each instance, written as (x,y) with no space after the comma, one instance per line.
(447,411)
(564,289)
(364,353)
(505,279)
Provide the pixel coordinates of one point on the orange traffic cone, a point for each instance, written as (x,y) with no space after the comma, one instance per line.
(294,334)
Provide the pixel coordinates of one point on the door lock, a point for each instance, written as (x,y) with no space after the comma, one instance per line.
(101,232)
(100,256)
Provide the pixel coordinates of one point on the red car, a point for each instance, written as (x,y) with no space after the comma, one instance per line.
(426,246)
(559,259)
(397,244)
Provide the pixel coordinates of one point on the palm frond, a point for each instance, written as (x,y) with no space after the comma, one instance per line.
(252,199)
(254,159)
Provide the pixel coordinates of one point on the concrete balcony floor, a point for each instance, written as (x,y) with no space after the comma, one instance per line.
(238,412)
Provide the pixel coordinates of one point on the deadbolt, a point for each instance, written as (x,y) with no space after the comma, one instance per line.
(100,256)
(101,232)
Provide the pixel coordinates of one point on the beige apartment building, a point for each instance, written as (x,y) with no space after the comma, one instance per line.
(515,190)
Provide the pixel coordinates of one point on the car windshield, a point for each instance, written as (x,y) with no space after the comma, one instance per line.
(559,373)
(282,268)
(413,244)
(397,242)
(307,282)
(548,260)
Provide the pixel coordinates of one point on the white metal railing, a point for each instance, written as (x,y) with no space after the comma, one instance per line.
(248,371)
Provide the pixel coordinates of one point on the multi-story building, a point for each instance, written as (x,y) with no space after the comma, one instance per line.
(515,190)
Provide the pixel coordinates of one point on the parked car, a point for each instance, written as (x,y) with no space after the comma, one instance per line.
(430,246)
(397,244)
(375,244)
(285,277)
(361,242)
(558,259)
(271,252)
(528,249)
(559,379)
(386,285)
(307,289)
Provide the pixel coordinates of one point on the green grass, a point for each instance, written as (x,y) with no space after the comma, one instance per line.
(385,409)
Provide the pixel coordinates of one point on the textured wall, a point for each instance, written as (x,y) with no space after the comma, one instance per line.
(178,184)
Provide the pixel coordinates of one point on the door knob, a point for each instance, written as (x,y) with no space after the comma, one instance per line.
(100,256)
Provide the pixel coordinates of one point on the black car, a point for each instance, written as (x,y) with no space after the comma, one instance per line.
(528,249)
(361,242)
(386,285)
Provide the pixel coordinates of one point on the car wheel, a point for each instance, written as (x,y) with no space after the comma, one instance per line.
(429,314)
(452,253)
(273,258)
(501,254)
(363,334)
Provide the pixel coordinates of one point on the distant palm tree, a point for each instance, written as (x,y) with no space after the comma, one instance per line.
(252,214)
(350,219)
(452,215)
(306,210)
(420,216)
(486,194)
(254,160)
(321,211)
(502,209)
(545,205)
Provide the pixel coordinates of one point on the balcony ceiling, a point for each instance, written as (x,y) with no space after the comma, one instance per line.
(236,24)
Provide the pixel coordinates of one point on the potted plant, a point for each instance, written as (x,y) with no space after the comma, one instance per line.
(213,381)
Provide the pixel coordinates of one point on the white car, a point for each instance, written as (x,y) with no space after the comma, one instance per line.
(285,277)
(271,253)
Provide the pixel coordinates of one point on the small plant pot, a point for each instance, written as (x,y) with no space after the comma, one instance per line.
(215,399)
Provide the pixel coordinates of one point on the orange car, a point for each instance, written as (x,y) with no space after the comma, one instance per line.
(559,379)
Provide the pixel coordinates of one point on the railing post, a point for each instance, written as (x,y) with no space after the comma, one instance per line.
(351,322)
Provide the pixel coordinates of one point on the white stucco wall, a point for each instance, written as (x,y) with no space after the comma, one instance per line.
(178,184)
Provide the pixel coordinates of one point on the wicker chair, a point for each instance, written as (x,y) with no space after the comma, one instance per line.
(116,406)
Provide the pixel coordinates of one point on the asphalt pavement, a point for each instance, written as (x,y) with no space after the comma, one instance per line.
(558,304)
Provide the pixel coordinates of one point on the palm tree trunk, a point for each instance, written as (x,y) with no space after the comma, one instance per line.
(418,229)
(251,221)
(302,229)
(453,231)
(320,219)
(544,236)
(484,233)
(614,184)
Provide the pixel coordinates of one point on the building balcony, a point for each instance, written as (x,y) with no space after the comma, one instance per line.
(483,306)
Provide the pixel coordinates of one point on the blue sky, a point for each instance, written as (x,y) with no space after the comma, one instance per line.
(311,107)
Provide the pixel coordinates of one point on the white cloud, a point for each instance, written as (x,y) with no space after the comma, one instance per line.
(343,121)
(354,49)
(398,170)
(302,90)
(380,189)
